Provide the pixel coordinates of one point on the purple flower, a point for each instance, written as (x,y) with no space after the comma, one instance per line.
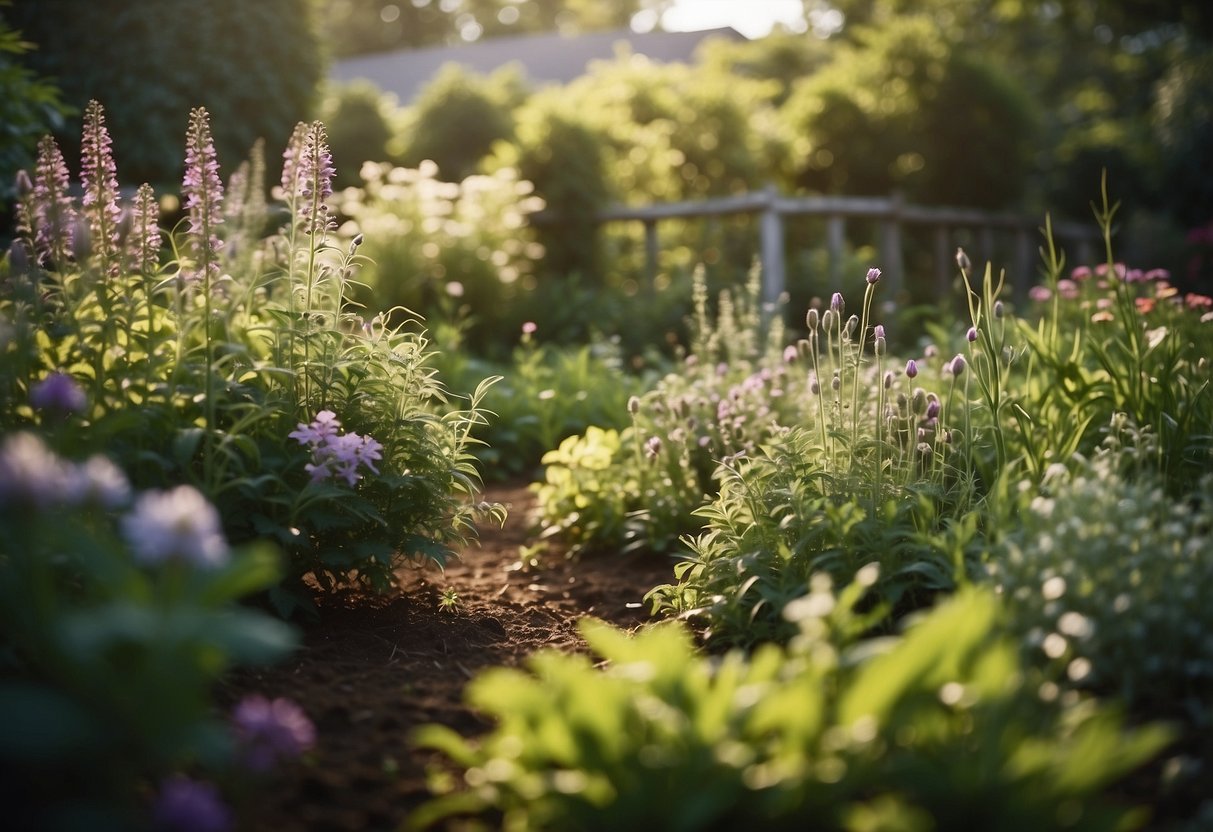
(31,475)
(958,365)
(879,331)
(790,354)
(99,177)
(873,276)
(911,368)
(1040,294)
(290,161)
(652,447)
(203,198)
(837,304)
(175,525)
(271,730)
(143,242)
(51,209)
(334,453)
(58,394)
(971,335)
(186,805)
(323,427)
(314,181)
(933,409)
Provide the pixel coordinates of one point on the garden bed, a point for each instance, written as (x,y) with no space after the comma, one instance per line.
(372,668)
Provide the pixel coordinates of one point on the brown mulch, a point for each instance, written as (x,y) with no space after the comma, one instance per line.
(373,668)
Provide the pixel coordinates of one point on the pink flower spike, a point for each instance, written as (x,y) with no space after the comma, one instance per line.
(1081,273)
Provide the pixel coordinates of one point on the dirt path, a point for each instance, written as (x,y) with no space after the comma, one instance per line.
(371,669)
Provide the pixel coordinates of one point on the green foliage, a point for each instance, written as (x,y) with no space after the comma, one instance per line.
(360,116)
(936,730)
(254,66)
(779,519)
(109,663)
(446,249)
(1114,339)
(458,118)
(899,112)
(189,382)
(546,393)
(30,107)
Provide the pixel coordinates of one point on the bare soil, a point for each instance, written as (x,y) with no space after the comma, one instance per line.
(372,668)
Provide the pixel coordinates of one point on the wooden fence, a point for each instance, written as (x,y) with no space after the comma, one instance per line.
(891,213)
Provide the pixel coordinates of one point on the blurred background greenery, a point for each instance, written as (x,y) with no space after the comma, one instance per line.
(1013,105)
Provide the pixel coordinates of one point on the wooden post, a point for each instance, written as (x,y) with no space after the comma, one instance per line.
(771,231)
(890,248)
(650,251)
(836,238)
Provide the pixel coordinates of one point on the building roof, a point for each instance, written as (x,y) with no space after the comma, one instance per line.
(547,58)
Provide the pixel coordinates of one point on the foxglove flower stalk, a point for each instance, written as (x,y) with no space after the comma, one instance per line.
(98,175)
(203,199)
(269,731)
(143,240)
(314,182)
(51,205)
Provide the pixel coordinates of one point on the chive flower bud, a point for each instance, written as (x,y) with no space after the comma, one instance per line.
(811,319)
(958,365)
(962,260)
(911,368)
(837,304)
(971,335)
(873,276)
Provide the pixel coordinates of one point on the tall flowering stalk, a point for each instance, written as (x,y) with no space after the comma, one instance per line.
(204,203)
(51,209)
(290,194)
(314,181)
(144,238)
(99,204)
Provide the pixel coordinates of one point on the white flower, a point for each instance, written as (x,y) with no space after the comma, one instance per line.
(175,525)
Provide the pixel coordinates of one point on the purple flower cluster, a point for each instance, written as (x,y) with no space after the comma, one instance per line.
(271,730)
(203,197)
(32,476)
(143,240)
(176,525)
(335,453)
(185,805)
(51,212)
(58,394)
(314,181)
(99,177)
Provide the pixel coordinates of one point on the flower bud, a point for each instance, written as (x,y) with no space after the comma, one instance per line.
(634,405)
(999,309)
(888,380)
(971,335)
(958,365)
(962,260)
(852,325)
(814,386)
(911,368)
(873,276)
(933,409)
(811,319)
(837,304)
(827,320)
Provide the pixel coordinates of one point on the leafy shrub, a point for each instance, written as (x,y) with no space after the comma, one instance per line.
(237,365)
(545,393)
(780,518)
(457,119)
(118,616)
(360,122)
(435,247)
(1114,339)
(30,106)
(897,111)
(937,730)
(1105,575)
(254,66)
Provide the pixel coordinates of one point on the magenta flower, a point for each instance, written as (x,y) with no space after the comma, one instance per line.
(1081,273)
(186,805)
(58,394)
(203,199)
(1067,289)
(873,276)
(176,525)
(99,177)
(269,731)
